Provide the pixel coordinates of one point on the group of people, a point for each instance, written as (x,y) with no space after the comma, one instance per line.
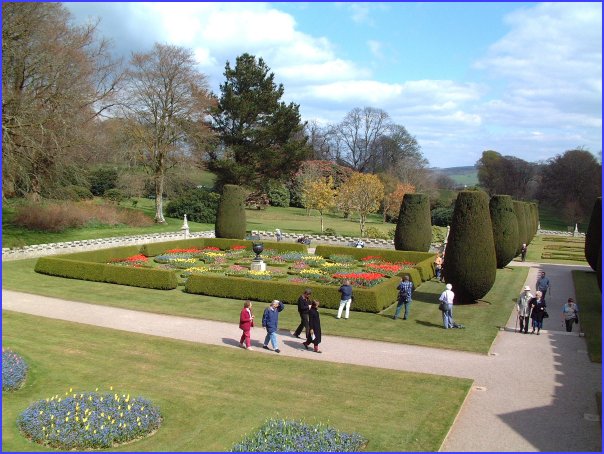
(529,307)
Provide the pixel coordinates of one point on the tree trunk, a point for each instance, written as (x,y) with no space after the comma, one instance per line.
(362,220)
(321,221)
(159,202)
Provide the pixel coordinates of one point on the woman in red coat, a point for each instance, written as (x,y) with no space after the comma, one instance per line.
(246,321)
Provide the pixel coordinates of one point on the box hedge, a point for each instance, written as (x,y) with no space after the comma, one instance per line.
(75,269)
(103,255)
(373,299)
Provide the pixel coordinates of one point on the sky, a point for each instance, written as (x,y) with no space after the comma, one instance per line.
(523,79)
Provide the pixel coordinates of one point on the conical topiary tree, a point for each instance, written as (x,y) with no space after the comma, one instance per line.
(522,235)
(230,218)
(414,227)
(529,225)
(505,228)
(593,236)
(470,264)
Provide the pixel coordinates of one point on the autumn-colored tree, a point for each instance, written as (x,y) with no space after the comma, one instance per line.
(315,170)
(364,193)
(393,201)
(319,195)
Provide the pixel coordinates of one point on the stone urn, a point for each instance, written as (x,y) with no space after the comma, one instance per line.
(258,248)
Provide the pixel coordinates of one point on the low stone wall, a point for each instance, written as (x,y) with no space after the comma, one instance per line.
(560,233)
(41,250)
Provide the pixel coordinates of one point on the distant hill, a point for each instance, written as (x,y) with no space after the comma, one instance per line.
(467,175)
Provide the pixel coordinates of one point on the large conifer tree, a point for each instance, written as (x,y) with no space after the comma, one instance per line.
(470,263)
(522,233)
(593,236)
(230,218)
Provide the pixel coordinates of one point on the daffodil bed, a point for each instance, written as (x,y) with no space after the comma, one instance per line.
(14,370)
(89,420)
(293,436)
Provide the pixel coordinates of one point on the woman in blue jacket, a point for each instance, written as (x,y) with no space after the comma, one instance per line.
(270,320)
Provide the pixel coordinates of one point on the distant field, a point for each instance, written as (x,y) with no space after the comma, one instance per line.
(467,175)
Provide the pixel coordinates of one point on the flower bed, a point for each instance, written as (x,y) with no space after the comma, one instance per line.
(293,436)
(14,370)
(136,261)
(89,420)
(365,280)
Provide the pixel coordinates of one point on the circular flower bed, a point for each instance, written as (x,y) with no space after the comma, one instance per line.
(14,370)
(293,436)
(89,420)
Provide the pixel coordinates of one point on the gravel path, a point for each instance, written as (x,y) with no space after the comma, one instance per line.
(531,393)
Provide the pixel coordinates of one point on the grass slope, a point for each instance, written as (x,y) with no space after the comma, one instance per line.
(424,328)
(211,396)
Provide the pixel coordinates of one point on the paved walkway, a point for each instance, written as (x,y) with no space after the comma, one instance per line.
(531,393)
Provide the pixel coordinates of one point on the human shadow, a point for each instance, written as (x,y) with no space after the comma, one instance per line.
(428,324)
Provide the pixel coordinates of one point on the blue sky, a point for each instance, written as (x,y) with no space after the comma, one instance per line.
(524,79)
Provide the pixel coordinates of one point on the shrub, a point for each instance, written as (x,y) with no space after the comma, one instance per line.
(470,263)
(230,218)
(278,194)
(114,195)
(522,233)
(413,229)
(72,192)
(593,236)
(441,216)
(89,420)
(102,179)
(505,228)
(14,370)
(292,436)
(140,277)
(374,232)
(329,232)
(530,233)
(200,205)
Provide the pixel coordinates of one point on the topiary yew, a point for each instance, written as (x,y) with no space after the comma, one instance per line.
(522,233)
(230,217)
(414,228)
(593,236)
(505,228)
(470,264)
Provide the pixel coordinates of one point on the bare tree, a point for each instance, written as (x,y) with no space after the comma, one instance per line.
(359,132)
(167,104)
(56,80)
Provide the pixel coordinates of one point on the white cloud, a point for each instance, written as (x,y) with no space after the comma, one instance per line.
(375,47)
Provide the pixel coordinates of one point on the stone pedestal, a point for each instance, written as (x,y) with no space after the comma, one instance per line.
(258,266)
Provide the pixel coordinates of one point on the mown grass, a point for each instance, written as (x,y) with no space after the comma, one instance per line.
(589,299)
(543,246)
(211,396)
(424,328)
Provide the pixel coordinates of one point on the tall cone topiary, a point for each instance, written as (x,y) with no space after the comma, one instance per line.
(522,235)
(230,218)
(470,264)
(505,228)
(527,219)
(593,236)
(414,226)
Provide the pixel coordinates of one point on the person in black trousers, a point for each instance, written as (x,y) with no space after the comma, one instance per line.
(314,333)
(304,303)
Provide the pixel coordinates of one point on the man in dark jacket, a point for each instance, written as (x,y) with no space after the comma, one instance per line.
(542,285)
(304,303)
(270,320)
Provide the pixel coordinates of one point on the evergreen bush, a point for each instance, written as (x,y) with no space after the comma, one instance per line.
(441,216)
(278,194)
(470,262)
(522,234)
(102,179)
(530,234)
(413,229)
(505,228)
(230,218)
(200,205)
(593,236)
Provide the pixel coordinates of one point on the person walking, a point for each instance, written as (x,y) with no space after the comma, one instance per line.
(523,250)
(542,285)
(405,289)
(438,265)
(314,333)
(522,308)
(304,303)
(278,234)
(570,314)
(270,320)
(345,300)
(537,306)
(246,321)
(447,298)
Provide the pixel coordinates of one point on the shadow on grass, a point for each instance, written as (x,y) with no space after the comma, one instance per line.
(429,324)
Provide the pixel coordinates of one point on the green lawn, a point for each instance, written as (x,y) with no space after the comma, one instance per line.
(589,299)
(211,396)
(482,320)
(556,244)
(550,219)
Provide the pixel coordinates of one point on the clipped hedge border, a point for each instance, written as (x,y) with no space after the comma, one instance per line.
(153,249)
(101,272)
(102,255)
(373,299)
(424,261)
